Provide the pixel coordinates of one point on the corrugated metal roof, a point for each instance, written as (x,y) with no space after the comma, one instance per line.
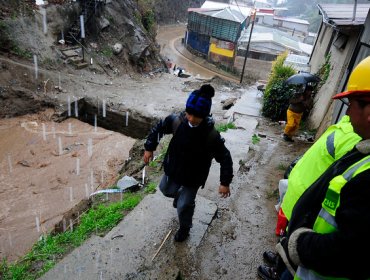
(297,59)
(246,11)
(225,13)
(295,20)
(299,62)
(342,14)
(269,34)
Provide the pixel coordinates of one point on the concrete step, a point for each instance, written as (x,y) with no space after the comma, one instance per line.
(81,65)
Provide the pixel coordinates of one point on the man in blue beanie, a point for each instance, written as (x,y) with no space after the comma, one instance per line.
(194,144)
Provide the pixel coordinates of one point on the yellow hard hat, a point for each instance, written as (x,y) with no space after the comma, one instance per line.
(359,83)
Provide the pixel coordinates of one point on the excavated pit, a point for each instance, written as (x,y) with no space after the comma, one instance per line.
(43,190)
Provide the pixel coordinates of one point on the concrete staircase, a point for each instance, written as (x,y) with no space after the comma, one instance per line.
(72,55)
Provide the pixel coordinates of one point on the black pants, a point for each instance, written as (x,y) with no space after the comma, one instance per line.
(185,199)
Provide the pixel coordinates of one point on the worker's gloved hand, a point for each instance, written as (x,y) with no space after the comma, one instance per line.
(283,251)
(287,249)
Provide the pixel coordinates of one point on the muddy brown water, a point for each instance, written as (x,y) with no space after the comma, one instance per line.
(46,168)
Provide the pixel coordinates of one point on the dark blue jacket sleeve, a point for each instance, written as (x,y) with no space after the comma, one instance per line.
(162,127)
(222,156)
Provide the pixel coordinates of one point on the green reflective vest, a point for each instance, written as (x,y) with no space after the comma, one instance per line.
(337,140)
(325,221)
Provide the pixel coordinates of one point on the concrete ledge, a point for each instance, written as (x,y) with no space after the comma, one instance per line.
(127,251)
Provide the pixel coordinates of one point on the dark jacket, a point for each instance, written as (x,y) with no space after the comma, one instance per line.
(191,150)
(344,253)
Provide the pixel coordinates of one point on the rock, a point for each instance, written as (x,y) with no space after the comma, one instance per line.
(94,45)
(127,182)
(103,23)
(228,103)
(117,48)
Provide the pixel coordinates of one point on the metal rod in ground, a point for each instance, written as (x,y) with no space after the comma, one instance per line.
(160,247)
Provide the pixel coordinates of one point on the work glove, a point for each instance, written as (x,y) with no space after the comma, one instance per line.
(287,249)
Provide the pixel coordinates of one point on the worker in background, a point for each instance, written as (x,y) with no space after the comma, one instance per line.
(336,141)
(298,104)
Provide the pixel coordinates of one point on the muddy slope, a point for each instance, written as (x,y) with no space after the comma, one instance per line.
(244,226)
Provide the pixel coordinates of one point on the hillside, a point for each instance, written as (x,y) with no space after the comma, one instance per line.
(130,23)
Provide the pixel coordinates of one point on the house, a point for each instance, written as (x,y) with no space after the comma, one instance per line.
(213,33)
(233,5)
(298,62)
(343,41)
(267,43)
(271,17)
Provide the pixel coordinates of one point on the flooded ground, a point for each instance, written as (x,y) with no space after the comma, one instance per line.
(46,168)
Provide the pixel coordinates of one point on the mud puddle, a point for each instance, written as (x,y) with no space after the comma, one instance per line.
(47,168)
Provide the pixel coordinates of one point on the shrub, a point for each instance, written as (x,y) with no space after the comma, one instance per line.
(277,94)
(276,103)
(148,20)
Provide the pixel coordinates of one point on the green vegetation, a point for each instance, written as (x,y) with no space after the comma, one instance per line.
(147,15)
(7,44)
(282,167)
(21,52)
(277,94)
(324,70)
(107,51)
(45,253)
(111,19)
(224,127)
(148,20)
(157,161)
(255,139)
(151,188)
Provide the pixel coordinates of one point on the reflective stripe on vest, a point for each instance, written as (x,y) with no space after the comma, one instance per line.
(306,274)
(349,173)
(328,218)
(325,222)
(330,144)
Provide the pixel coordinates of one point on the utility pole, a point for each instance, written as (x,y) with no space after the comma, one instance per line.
(249,41)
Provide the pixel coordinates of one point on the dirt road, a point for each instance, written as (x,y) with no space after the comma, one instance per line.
(166,37)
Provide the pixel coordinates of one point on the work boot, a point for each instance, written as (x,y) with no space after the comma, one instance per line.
(287,138)
(267,273)
(270,258)
(182,234)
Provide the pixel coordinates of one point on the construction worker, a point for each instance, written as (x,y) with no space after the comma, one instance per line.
(329,227)
(336,141)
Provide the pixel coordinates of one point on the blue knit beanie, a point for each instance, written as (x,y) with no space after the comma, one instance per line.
(199,102)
